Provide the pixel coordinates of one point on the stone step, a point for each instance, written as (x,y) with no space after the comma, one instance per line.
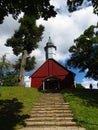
(52,99)
(58,103)
(52,95)
(51,115)
(50,119)
(55,96)
(51,109)
(51,102)
(53,128)
(47,108)
(51,105)
(51,123)
(51,112)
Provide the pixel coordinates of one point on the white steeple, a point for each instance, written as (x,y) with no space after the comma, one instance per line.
(50,49)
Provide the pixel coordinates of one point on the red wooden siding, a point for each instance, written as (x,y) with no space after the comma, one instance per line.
(52,68)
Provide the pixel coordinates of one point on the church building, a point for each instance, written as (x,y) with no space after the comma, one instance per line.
(52,76)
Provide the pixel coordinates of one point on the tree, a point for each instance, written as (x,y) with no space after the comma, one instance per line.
(30,64)
(10,79)
(4,66)
(84,54)
(74,4)
(37,8)
(79,86)
(24,41)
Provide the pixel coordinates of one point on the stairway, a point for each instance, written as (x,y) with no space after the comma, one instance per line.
(51,112)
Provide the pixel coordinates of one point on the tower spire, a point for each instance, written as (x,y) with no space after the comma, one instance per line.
(50,49)
(49,40)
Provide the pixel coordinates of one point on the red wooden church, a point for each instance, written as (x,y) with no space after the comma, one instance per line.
(52,76)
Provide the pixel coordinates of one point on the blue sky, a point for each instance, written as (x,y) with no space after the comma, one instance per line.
(63,29)
(66,27)
(79,75)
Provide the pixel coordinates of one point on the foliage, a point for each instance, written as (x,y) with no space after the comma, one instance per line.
(15,106)
(84,105)
(24,40)
(37,8)
(30,64)
(74,4)
(10,79)
(79,86)
(4,66)
(84,54)
(26,37)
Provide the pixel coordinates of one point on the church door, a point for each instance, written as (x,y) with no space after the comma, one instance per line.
(51,84)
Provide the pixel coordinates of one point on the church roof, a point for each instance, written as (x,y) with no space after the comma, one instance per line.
(51,67)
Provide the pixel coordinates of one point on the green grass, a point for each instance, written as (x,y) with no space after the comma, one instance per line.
(15,106)
(84,104)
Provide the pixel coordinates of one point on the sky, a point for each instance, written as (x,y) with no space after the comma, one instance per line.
(62,29)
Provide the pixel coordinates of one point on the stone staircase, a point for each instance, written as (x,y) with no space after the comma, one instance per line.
(51,112)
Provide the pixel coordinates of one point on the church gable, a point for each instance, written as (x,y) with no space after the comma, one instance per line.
(51,75)
(41,72)
(50,68)
(58,69)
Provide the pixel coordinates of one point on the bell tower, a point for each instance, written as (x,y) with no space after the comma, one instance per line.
(50,49)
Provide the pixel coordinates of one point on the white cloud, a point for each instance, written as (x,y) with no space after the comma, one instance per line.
(8,26)
(84,18)
(63,29)
(27,81)
(6,31)
(86,82)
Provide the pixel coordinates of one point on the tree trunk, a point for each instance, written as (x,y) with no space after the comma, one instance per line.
(22,68)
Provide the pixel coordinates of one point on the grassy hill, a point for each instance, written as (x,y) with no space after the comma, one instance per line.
(84,104)
(15,105)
